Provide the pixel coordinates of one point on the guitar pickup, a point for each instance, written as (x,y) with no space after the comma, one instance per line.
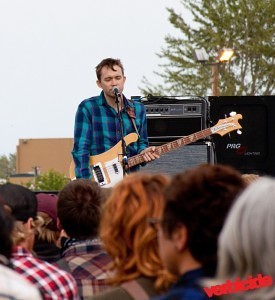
(115,168)
(98,174)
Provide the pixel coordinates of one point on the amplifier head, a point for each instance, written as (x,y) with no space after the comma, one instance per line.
(187,109)
(172,127)
(173,118)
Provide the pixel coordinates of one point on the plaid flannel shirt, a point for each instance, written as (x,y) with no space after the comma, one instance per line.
(52,282)
(89,265)
(97,129)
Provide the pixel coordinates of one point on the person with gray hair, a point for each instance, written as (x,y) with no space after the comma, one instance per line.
(247,244)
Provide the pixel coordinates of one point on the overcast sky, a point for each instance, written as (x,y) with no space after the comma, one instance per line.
(49,50)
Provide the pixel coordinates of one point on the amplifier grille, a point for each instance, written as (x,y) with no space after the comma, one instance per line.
(182,158)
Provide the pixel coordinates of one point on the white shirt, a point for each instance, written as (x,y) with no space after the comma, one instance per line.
(15,286)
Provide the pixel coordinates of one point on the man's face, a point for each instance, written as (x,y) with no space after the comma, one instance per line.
(167,251)
(111,78)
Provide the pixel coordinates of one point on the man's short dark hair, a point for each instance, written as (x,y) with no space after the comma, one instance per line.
(6,228)
(21,200)
(110,63)
(79,208)
(200,198)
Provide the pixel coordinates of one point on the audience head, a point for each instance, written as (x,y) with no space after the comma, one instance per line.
(196,204)
(79,208)
(21,203)
(47,210)
(250,177)
(247,242)
(6,228)
(125,232)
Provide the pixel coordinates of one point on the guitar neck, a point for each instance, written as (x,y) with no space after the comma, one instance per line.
(165,148)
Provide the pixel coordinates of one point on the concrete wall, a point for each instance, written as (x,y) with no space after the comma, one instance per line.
(45,154)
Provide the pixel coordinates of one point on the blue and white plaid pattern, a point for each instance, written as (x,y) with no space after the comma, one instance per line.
(97,129)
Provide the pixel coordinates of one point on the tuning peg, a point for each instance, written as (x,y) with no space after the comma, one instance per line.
(232,114)
(239,132)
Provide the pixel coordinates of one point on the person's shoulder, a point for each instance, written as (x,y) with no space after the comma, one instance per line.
(137,106)
(51,270)
(183,293)
(96,257)
(148,284)
(90,101)
(113,293)
(16,286)
(136,102)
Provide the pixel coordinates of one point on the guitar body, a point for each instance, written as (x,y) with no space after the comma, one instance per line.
(107,167)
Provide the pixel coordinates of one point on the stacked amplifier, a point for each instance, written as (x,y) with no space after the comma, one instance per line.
(170,118)
(253,151)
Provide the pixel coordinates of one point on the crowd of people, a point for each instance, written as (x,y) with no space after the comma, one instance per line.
(204,233)
(149,237)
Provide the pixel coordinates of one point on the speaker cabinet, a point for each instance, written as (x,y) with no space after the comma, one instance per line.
(254,150)
(181,159)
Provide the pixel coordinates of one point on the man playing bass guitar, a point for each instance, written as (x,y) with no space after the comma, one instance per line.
(98,128)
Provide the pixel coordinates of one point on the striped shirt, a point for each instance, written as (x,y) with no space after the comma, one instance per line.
(97,129)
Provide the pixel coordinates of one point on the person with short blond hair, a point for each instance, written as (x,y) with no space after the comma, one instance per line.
(46,244)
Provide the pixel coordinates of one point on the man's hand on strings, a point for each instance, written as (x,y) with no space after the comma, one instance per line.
(150,154)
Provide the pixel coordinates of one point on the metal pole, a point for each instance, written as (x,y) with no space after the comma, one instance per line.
(215,78)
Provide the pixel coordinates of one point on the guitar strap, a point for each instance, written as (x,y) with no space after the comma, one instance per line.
(131,113)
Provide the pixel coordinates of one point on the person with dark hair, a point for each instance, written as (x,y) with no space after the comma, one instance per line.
(79,214)
(196,204)
(97,127)
(52,282)
(12,285)
(6,228)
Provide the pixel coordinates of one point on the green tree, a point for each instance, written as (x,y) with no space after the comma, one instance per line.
(247,26)
(49,181)
(7,165)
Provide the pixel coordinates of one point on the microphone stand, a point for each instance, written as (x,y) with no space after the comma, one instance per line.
(123,144)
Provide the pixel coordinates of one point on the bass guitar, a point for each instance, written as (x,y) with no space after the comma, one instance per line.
(107,167)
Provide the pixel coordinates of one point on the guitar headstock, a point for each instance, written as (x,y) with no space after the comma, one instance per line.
(227,125)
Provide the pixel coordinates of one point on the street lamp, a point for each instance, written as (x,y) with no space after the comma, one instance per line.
(224,56)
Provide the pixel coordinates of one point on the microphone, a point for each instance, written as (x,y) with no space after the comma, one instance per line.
(116,91)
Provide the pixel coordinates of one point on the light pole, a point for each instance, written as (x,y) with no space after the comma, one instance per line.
(224,56)
(215,79)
